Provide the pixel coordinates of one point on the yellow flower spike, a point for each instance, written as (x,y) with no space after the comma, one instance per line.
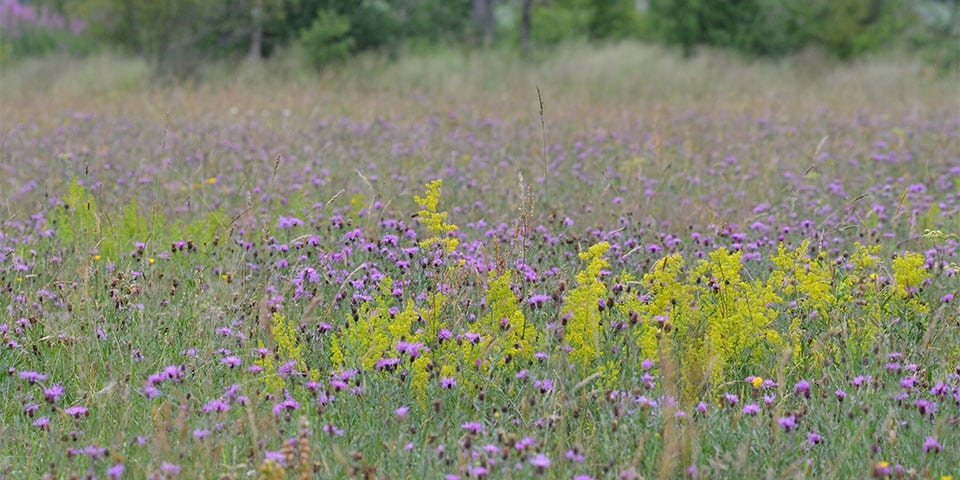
(436,222)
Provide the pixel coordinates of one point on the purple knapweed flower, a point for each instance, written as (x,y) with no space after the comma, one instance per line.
(926,407)
(288,404)
(115,472)
(288,222)
(76,411)
(575,456)
(170,468)
(540,461)
(814,438)
(473,427)
(787,423)
(216,405)
(931,444)
(802,388)
(524,443)
(751,409)
(401,412)
(43,423)
(31,376)
(840,394)
(386,363)
(544,385)
(231,361)
(333,430)
(448,382)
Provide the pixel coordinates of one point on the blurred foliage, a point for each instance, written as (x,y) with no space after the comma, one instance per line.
(847,28)
(179,36)
(937,34)
(328,39)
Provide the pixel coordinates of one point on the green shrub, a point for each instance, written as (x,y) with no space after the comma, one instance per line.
(848,28)
(614,19)
(328,40)
(552,24)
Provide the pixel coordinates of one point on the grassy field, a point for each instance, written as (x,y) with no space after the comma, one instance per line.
(604,263)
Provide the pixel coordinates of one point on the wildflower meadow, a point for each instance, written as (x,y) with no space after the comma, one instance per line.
(463,267)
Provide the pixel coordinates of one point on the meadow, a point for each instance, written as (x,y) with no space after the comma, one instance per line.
(602,263)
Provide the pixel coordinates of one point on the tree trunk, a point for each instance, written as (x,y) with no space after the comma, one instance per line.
(479,17)
(525,26)
(256,37)
(489,23)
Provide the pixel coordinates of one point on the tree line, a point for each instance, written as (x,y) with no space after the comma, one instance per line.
(179,35)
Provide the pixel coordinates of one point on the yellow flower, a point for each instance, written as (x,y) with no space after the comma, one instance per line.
(211,180)
(757,381)
(150,260)
(96,257)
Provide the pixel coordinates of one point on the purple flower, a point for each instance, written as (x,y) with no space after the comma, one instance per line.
(115,471)
(537,301)
(525,442)
(814,438)
(702,408)
(540,461)
(288,222)
(939,390)
(802,388)
(200,433)
(751,409)
(42,422)
(931,443)
(386,363)
(840,395)
(730,399)
(172,372)
(170,468)
(216,405)
(288,404)
(448,382)
(926,407)
(787,423)
(32,377)
(231,361)
(401,412)
(544,385)
(473,427)
(51,394)
(76,411)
